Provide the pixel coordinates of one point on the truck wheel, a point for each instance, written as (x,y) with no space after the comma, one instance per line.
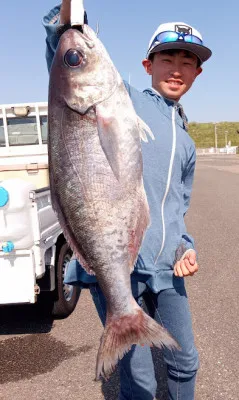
(65,296)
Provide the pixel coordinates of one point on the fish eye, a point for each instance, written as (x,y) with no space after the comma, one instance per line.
(73,58)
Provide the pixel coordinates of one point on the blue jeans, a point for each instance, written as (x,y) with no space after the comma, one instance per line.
(170,308)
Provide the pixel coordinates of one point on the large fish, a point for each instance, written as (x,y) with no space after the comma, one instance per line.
(95,164)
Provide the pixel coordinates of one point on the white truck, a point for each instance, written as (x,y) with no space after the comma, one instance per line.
(34,255)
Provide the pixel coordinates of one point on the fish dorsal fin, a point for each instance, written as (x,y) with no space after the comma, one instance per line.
(145,131)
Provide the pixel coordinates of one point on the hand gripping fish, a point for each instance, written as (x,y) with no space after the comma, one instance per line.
(95,165)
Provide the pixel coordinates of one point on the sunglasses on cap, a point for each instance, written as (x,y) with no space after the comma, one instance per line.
(172,36)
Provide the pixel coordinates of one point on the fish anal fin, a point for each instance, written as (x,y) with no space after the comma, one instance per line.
(76,253)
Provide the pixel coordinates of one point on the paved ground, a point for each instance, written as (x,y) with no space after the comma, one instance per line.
(45,360)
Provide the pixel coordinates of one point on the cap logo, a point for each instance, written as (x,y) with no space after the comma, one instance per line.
(184,29)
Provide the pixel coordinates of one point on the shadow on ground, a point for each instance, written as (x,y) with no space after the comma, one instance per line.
(24,357)
(35,351)
(24,319)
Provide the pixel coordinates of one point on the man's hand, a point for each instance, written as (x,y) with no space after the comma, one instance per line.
(65,13)
(187,266)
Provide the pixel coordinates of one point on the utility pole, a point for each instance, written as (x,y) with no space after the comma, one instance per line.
(226,132)
(215,134)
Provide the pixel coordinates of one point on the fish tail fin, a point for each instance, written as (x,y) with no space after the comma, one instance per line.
(120,334)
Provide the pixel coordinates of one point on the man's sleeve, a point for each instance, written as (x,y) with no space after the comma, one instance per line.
(51,22)
(187,182)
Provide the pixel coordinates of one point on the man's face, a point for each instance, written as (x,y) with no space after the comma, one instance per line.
(172,73)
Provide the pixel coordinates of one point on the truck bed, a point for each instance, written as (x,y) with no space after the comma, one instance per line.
(33,230)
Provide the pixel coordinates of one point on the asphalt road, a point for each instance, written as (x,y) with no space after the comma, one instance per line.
(48,360)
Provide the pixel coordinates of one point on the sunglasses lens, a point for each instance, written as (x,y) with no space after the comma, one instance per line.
(192,39)
(166,37)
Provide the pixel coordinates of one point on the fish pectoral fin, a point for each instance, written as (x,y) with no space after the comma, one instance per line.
(106,125)
(144,130)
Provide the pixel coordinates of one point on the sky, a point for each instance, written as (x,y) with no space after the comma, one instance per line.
(126,27)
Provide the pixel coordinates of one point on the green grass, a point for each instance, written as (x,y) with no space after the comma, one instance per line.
(203,134)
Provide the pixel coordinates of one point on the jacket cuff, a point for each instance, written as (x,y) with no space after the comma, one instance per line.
(182,250)
(185,253)
(52,17)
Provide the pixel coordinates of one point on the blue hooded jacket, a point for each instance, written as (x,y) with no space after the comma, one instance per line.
(169,164)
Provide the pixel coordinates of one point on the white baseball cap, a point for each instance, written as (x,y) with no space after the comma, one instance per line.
(178,35)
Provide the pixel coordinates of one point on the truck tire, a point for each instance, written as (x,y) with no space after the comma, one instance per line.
(65,296)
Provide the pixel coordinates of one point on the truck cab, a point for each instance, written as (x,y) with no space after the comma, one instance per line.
(34,255)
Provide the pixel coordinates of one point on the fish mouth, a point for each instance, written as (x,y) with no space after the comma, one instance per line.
(62,29)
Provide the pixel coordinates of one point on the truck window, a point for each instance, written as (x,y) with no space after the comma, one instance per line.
(43,120)
(22,131)
(2,137)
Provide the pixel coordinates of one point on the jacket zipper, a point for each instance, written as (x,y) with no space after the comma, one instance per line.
(168,181)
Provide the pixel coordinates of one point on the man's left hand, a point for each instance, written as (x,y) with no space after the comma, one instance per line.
(187,266)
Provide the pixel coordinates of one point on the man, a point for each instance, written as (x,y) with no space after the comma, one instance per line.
(174,58)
